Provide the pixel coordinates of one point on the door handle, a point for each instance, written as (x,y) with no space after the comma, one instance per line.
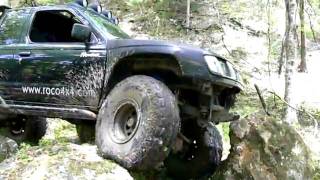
(25,54)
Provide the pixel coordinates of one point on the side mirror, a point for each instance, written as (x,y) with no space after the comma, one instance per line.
(81,32)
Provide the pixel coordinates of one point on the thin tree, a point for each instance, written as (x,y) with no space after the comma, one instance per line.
(303,62)
(188,15)
(290,115)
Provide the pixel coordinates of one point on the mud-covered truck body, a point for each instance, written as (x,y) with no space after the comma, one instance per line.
(147,103)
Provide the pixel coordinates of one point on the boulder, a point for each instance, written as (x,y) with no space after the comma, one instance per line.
(58,156)
(7,147)
(264,148)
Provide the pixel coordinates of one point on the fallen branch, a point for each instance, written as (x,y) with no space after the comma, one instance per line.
(263,103)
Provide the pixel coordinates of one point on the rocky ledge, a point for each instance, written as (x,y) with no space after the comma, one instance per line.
(264,148)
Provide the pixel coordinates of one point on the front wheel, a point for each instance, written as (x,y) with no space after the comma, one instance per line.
(138,123)
(200,158)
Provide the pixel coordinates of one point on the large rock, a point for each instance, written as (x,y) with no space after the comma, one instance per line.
(263,148)
(7,147)
(58,156)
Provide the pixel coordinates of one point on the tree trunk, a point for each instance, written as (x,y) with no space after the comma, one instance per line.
(303,62)
(290,115)
(188,15)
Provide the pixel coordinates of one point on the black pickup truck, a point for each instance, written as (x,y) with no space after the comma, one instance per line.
(146,103)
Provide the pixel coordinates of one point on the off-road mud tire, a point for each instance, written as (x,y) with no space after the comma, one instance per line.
(157,127)
(207,156)
(86,132)
(34,128)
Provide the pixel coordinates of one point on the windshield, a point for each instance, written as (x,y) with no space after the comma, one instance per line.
(111,30)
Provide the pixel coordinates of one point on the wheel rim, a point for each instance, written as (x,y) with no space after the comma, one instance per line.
(17,126)
(126,122)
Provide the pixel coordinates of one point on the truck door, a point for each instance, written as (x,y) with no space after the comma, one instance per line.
(56,69)
(11,24)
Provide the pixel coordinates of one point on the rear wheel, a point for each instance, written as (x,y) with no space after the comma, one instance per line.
(25,129)
(199,158)
(138,123)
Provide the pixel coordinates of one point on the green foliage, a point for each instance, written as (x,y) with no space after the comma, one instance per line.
(276,44)
(148,5)
(134,3)
(317,170)
(53,150)
(224,129)
(46,2)
(308,115)
(25,153)
(62,134)
(77,167)
(241,9)
(309,33)
(275,106)
(44,142)
(239,53)
(247,103)
(64,131)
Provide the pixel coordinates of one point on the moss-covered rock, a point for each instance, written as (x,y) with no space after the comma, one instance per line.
(264,148)
(7,147)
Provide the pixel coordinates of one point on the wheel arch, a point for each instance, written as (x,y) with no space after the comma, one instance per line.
(164,67)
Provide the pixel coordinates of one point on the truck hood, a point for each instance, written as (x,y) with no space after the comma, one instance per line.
(121,43)
(125,43)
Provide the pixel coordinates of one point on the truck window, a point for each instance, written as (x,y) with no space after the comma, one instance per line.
(11,27)
(53,26)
